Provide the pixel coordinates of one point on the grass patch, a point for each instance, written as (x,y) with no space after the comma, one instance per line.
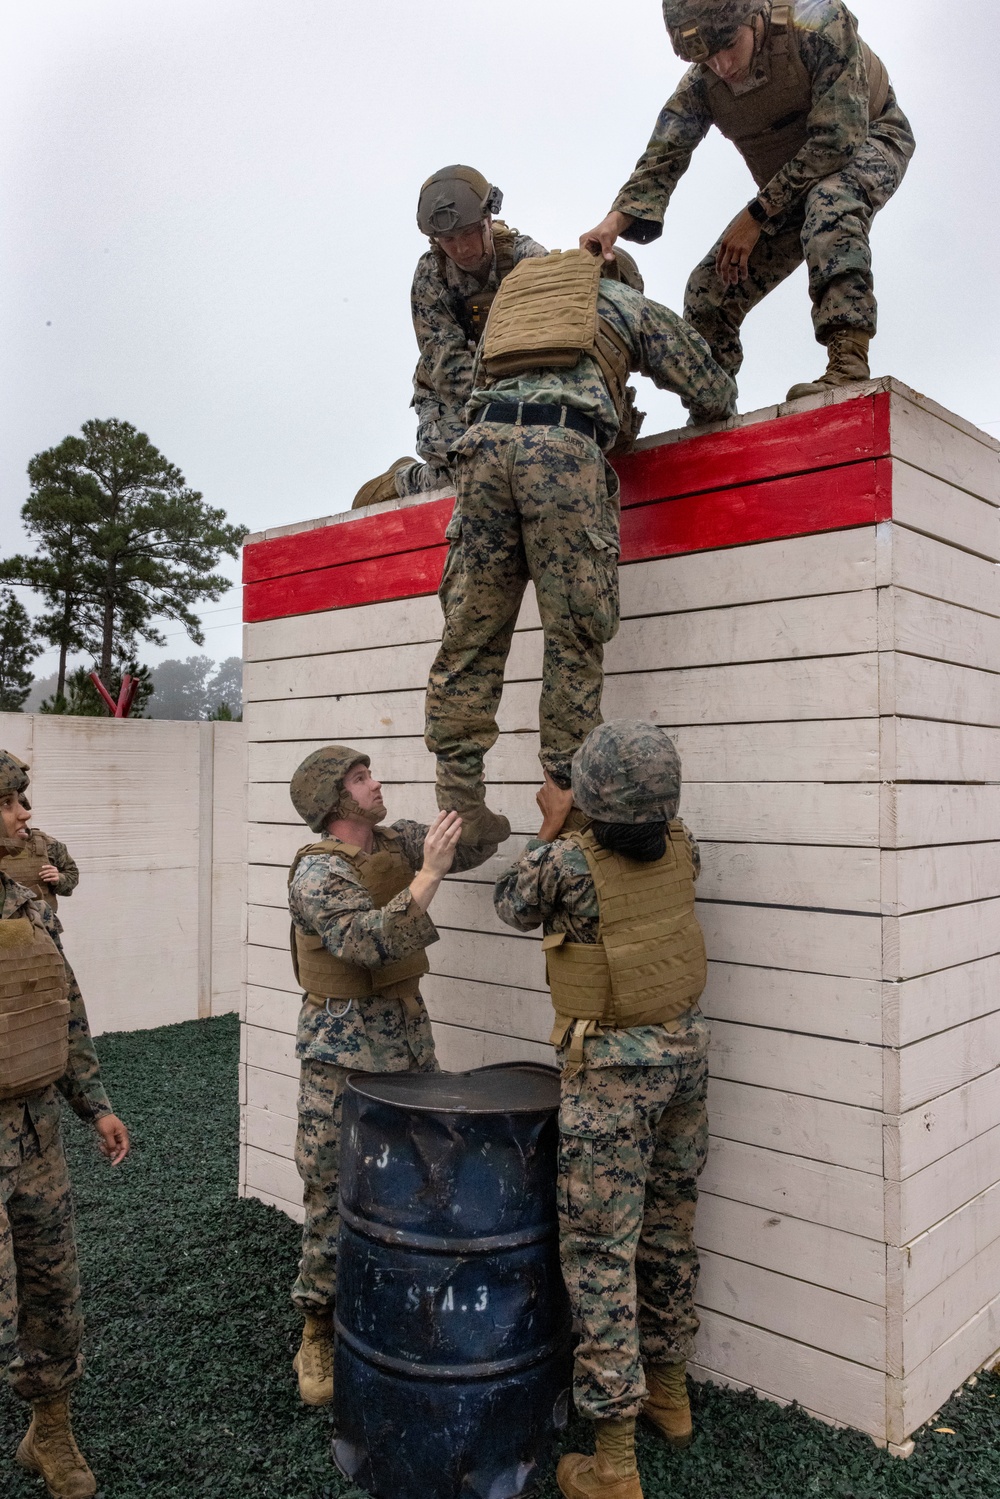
(190,1334)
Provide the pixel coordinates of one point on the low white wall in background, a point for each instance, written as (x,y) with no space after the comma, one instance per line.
(154,813)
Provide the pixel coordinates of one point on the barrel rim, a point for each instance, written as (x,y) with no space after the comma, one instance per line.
(381,1233)
(356,1083)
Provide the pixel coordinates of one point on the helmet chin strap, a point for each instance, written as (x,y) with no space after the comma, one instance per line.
(348,807)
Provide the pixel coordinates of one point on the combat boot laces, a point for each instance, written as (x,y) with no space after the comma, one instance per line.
(611,1473)
(667,1406)
(314,1361)
(847,364)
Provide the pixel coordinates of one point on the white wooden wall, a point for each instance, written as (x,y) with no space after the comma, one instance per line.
(835,702)
(154,813)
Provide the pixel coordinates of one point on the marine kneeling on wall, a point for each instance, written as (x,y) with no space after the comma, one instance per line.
(359,900)
(611,882)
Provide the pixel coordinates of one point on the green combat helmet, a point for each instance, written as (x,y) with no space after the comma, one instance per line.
(700,28)
(13,777)
(317,787)
(628,772)
(455,198)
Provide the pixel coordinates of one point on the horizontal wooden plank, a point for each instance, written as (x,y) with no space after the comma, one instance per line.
(494,1008)
(793,1308)
(813,1003)
(791,444)
(839,1389)
(395,622)
(924,565)
(842,879)
(266,1130)
(273,1009)
(932,1321)
(460,1050)
(920,750)
(936,1002)
(825,750)
(292,1210)
(935,1257)
(923,879)
(948,1060)
(932,441)
(916,816)
(363,537)
(923,626)
(808,1251)
(924,1198)
(930,940)
(273,1050)
(811,941)
(935,1130)
(929,504)
(925,1389)
(276,1091)
(811,1189)
(272,1174)
(910,685)
(840,1071)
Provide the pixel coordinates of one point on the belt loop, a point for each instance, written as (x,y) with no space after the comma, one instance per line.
(520,409)
(563,413)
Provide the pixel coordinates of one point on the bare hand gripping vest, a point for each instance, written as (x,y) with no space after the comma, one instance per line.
(34,1009)
(545,317)
(26,866)
(767,124)
(648,965)
(322,976)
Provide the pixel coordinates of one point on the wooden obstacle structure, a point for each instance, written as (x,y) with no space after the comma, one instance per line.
(810,605)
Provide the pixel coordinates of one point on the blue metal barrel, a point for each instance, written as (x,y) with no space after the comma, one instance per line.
(453,1357)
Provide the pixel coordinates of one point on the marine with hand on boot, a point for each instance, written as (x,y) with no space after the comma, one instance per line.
(45,1051)
(810,108)
(453,288)
(611,882)
(359,899)
(537,499)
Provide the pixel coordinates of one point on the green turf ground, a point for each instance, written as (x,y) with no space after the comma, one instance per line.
(190,1334)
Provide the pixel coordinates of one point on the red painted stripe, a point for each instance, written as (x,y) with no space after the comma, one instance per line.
(857,494)
(798,444)
(371,581)
(767,451)
(382,535)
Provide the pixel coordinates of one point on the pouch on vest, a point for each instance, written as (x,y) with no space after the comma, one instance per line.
(26,866)
(34,1009)
(322,975)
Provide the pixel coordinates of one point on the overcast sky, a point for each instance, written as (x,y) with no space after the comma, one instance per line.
(208,219)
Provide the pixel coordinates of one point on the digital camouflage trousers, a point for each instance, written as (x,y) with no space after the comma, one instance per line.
(829,230)
(632,1144)
(534,503)
(317,1157)
(41,1323)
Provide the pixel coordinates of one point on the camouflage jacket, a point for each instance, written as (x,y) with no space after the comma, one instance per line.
(82,1086)
(442,381)
(838,123)
(60,856)
(663,346)
(551,886)
(327,898)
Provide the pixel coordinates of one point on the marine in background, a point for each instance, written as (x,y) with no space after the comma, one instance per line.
(453,288)
(44,865)
(359,898)
(812,112)
(46,1052)
(538,500)
(611,882)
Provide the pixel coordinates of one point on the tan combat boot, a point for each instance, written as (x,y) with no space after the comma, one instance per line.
(456,793)
(611,1473)
(381,488)
(667,1405)
(847,363)
(49,1448)
(314,1361)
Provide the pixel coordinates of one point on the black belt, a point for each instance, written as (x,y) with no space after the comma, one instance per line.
(538,416)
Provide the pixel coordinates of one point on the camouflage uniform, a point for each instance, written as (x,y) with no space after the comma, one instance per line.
(542,503)
(821,202)
(633,1142)
(41,1324)
(57,854)
(377,1034)
(442,381)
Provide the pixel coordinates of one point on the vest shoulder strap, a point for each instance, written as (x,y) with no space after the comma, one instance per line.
(504,245)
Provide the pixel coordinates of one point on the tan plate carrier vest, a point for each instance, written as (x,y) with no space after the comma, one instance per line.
(26,866)
(34,1009)
(545,317)
(474,309)
(768,124)
(648,965)
(321,975)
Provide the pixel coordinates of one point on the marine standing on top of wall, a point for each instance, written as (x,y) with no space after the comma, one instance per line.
(810,108)
(453,287)
(44,865)
(47,1051)
(359,900)
(611,883)
(537,499)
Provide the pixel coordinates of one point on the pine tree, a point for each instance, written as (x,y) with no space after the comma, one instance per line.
(18,648)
